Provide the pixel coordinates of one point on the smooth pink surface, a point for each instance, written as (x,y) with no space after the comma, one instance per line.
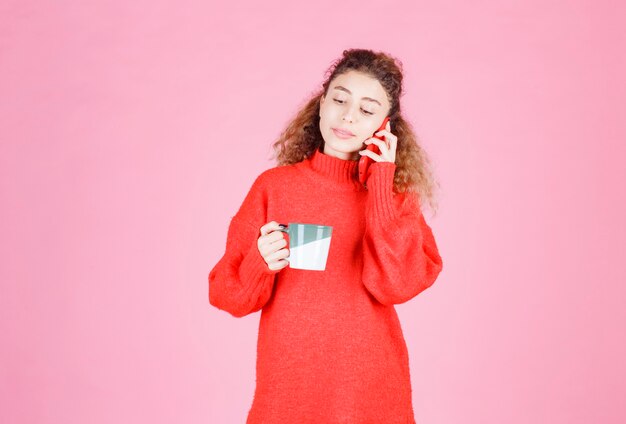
(130,132)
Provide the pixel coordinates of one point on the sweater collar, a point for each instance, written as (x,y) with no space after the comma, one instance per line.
(341,171)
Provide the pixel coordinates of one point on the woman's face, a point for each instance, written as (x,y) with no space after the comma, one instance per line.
(354,107)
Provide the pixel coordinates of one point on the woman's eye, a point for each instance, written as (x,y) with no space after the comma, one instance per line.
(367,112)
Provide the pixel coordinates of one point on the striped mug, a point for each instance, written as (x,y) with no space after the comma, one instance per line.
(308,245)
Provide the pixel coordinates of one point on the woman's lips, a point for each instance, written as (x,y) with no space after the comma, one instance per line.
(342,134)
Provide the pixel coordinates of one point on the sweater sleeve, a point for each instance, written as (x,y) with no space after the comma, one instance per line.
(241,282)
(400,256)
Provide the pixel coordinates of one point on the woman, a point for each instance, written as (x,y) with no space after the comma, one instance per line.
(330,346)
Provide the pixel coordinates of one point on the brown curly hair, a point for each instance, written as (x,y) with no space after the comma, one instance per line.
(302,135)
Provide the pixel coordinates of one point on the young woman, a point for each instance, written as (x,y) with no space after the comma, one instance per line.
(330,346)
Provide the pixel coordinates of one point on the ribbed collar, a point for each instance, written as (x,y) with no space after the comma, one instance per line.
(341,171)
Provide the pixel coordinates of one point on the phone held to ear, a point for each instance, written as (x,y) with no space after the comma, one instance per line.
(366,161)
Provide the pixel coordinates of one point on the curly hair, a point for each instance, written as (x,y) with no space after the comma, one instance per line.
(302,135)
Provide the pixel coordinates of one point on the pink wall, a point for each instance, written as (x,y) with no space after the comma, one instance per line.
(130,132)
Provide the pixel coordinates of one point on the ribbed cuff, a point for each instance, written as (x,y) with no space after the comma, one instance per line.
(253,267)
(380,187)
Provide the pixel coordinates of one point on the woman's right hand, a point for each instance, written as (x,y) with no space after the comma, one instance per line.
(271,246)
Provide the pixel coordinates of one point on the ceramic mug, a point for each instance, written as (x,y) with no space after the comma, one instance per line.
(308,245)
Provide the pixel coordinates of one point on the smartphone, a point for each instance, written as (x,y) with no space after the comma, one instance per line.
(366,161)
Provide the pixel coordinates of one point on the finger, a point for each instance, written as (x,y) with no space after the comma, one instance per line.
(383,147)
(391,142)
(273,236)
(278,265)
(371,154)
(273,257)
(380,143)
(270,238)
(268,248)
(387,134)
(270,226)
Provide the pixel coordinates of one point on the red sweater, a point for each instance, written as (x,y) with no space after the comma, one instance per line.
(330,347)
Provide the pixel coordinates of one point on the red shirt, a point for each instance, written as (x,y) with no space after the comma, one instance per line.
(330,346)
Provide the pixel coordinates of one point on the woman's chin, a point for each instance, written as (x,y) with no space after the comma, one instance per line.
(344,147)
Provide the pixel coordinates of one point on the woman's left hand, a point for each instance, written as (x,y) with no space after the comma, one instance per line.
(387,147)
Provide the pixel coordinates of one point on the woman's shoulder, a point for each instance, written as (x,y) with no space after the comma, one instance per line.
(280,171)
(276,177)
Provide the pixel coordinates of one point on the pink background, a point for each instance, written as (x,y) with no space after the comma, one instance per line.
(131,131)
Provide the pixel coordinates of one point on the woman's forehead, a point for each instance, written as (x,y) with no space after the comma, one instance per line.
(359,85)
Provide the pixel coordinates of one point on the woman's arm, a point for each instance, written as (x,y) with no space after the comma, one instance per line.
(400,256)
(241,282)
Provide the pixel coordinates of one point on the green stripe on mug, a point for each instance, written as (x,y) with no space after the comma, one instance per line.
(308,245)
